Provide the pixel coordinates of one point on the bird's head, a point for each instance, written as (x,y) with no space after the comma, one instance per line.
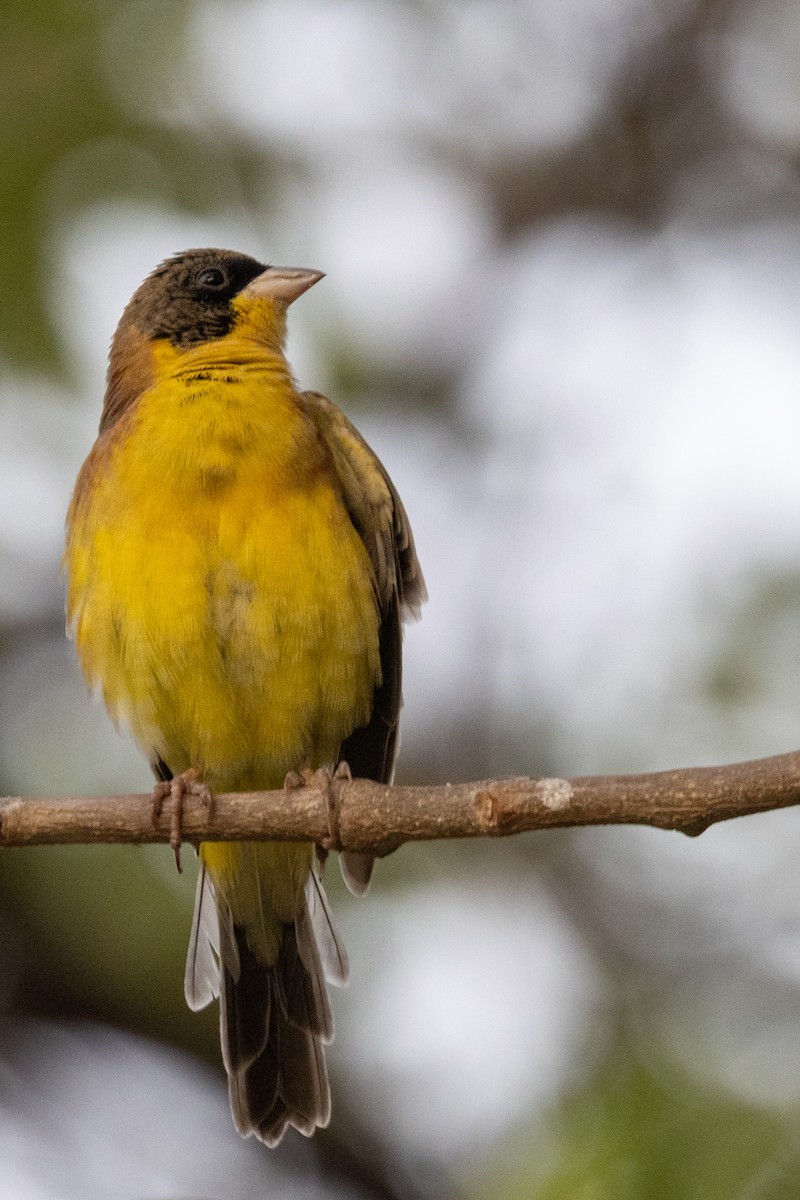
(198,298)
(202,295)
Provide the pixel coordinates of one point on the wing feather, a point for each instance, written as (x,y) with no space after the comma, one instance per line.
(378,516)
(375,508)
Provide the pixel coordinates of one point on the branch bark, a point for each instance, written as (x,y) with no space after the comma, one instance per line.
(372,817)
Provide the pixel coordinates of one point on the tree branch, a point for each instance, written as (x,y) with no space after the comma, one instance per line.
(372,817)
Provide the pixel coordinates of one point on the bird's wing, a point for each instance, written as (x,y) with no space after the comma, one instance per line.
(379,518)
(375,508)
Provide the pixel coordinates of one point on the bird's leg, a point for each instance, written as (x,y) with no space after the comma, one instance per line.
(342,774)
(323,779)
(178,788)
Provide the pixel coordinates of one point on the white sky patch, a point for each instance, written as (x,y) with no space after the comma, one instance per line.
(471,1007)
(63,1102)
(402,241)
(349,58)
(759,80)
(639,402)
(433,474)
(40,440)
(33,489)
(485,75)
(45,704)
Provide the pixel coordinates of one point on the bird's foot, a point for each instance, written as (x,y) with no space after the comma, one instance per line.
(177,789)
(323,780)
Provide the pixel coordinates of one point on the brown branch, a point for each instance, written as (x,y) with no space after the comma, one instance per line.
(378,819)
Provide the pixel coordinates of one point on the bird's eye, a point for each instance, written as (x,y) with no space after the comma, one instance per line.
(212,277)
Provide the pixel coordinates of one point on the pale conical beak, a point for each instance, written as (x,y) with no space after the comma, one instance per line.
(282,283)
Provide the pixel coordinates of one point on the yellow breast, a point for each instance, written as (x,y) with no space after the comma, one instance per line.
(219,594)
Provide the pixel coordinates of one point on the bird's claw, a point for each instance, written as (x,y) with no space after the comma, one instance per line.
(323,780)
(177,789)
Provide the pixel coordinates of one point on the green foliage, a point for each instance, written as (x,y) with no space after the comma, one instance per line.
(644,1131)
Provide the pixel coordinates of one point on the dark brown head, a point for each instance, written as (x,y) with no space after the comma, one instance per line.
(193,298)
(187,299)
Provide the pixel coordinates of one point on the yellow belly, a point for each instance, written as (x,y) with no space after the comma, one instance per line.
(220,595)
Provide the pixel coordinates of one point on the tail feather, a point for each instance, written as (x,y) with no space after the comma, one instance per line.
(287,1083)
(254,1091)
(201,980)
(212,940)
(274,1019)
(245,1006)
(315,923)
(274,1126)
(302,990)
(303,1076)
(356,871)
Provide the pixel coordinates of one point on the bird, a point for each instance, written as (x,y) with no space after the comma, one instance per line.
(239,565)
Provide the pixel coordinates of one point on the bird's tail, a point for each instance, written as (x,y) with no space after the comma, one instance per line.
(274,1020)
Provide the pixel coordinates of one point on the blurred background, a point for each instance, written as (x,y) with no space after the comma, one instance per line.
(562,245)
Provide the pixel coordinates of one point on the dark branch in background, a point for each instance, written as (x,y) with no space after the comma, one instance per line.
(376,818)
